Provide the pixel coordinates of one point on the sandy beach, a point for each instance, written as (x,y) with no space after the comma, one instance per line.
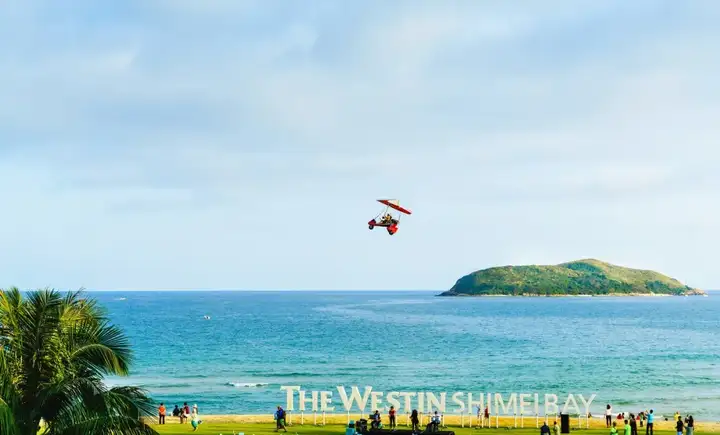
(450,420)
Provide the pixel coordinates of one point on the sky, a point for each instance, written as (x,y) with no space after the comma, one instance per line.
(219,144)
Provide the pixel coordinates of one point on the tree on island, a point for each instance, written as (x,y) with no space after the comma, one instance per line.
(55,350)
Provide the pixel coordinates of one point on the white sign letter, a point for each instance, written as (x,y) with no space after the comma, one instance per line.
(458,401)
(391,398)
(434,403)
(553,403)
(325,400)
(407,396)
(586,403)
(500,405)
(289,401)
(313,400)
(354,397)
(375,400)
(571,398)
(523,403)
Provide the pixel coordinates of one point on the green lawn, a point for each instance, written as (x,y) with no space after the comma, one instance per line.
(268,429)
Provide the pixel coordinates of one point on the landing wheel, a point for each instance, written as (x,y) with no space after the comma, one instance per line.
(371,226)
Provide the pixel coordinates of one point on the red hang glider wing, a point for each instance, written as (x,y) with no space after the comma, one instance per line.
(394,204)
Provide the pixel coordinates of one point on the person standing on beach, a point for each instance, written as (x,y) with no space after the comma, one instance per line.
(679,425)
(415,421)
(186,410)
(487,415)
(161,414)
(608,415)
(689,425)
(633,425)
(649,426)
(391,414)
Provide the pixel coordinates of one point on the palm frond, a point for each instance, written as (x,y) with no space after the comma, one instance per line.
(38,321)
(8,398)
(118,410)
(67,393)
(100,347)
(7,419)
(10,301)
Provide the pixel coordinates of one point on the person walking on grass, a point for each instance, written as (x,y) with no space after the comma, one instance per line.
(195,419)
(613,429)
(280,419)
(556,428)
(628,429)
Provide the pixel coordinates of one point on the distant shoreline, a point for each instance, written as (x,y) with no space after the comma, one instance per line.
(610,295)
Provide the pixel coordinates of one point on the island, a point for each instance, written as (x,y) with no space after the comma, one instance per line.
(588,277)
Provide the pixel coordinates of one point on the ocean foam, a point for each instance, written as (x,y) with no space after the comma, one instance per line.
(247,384)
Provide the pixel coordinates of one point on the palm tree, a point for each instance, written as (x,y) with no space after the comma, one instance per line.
(54,352)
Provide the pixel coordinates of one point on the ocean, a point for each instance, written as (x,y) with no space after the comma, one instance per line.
(634,353)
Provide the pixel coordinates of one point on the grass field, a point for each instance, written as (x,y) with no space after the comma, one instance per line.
(268,429)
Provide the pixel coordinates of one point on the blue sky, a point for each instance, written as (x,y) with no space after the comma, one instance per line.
(163,144)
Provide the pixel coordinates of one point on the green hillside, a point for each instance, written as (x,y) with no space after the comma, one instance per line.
(582,277)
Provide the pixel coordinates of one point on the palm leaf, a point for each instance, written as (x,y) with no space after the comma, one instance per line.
(100,347)
(8,398)
(118,410)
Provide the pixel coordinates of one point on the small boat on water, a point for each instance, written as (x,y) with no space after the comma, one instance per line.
(206,317)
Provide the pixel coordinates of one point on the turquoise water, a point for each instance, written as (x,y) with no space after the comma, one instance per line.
(635,353)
